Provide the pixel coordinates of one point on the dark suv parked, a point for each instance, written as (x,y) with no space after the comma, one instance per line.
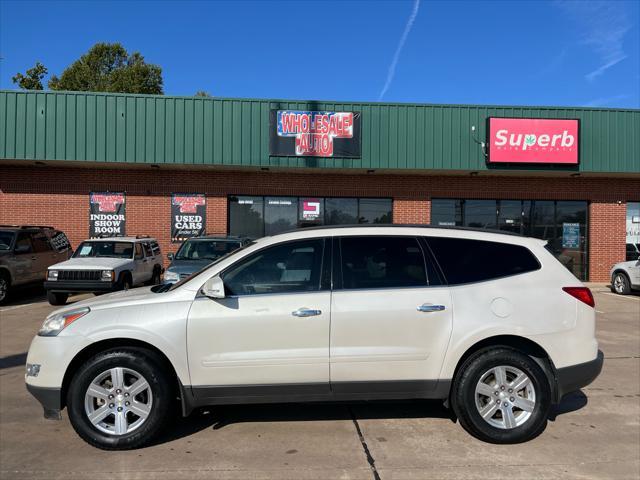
(26,252)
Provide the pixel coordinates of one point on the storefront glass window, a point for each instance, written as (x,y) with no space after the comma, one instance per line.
(510,215)
(341,211)
(446,212)
(633,231)
(480,213)
(255,217)
(280,214)
(246,216)
(562,223)
(374,210)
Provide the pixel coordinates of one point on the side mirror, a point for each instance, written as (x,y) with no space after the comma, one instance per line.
(213,288)
(170,256)
(22,249)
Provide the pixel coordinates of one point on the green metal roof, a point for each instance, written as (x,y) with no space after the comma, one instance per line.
(146,129)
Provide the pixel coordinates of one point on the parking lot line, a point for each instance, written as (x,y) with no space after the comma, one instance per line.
(622,296)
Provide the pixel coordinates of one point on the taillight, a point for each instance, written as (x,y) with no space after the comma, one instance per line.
(581,293)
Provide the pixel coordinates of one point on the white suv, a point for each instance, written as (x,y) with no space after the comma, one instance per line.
(490,323)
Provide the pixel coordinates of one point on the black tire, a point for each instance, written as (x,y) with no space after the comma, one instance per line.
(5,284)
(620,283)
(152,368)
(57,298)
(463,396)
(155,279)
(125,281)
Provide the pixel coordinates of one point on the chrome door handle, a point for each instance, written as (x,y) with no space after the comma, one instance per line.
(305,312)
(427,307)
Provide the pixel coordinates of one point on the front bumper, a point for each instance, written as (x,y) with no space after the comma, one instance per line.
(572,378)
(50,399)
(72,286)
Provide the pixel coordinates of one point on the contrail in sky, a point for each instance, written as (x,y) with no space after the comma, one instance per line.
(392,68)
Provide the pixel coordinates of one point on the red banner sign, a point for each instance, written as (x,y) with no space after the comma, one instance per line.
(533,140)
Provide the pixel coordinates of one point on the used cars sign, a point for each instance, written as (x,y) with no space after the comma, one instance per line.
(533,140)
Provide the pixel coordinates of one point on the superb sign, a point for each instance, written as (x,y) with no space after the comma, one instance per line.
(314,134)
(533,140)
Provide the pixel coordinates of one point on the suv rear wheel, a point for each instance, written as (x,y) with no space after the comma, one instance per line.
(501,396)
(620,284)
(57,298)
(120,399)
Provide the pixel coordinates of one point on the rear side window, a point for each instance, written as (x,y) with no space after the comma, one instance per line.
(467,261)
(155,247)
(382,262)
(147,250)
(40,242)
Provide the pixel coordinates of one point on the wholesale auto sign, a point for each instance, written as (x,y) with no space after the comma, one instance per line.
(107,214)
(533,140)
(188,215)
(304,133)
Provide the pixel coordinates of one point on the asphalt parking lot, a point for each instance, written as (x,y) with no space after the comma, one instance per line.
(595,432)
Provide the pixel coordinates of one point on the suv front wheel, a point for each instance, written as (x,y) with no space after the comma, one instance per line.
(57,298)
(501,396)
(120,399)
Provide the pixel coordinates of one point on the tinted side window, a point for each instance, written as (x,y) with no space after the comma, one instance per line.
(147,250)
(466,261)
(382,262)
(40,242)
(23,242)
(285,268)
(156,248)
(139,254)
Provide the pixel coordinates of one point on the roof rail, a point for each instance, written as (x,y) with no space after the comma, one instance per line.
(27,226)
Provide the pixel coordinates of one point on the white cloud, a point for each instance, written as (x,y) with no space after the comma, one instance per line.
(392,68)
(604,26)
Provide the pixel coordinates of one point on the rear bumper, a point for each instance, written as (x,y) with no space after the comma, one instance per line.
(68,286)
(572,378)
(49,398)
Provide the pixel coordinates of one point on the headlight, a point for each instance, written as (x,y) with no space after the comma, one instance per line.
(54,324)
(107,276)
(171,276)
(52,275)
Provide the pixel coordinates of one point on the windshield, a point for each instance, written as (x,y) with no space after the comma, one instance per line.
(5,240)
(169,287)
(205,249)
(104,249)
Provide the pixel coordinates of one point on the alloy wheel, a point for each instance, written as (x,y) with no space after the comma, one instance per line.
(619,283)
(505,397)
(118,401)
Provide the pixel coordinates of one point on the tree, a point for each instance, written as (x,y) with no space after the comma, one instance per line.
(107,67)
(202,93)
(32,80)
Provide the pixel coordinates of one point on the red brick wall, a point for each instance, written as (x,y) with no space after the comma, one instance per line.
(607,235)
(58,196)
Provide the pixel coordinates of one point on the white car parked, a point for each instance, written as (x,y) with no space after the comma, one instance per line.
(492,324)
(625,276)
(105,265)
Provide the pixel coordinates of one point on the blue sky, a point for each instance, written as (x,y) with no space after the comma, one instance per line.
(479,52)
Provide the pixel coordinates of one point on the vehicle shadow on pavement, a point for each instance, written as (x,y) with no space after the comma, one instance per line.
(570,403)
(225,415)
(11,361)
(25,295)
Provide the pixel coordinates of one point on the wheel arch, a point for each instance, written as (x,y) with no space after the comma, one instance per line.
(6,272)
(619,270)
(518,343)
(121,342)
